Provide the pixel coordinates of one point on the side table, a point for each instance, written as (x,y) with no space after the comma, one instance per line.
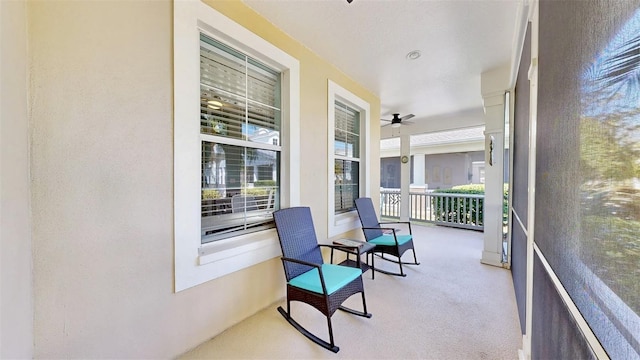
(357,248)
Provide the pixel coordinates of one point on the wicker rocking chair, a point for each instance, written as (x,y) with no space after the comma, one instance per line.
(385,238)
(309,279)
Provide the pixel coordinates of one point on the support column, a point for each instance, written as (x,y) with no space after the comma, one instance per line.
(494,84)
(405,176)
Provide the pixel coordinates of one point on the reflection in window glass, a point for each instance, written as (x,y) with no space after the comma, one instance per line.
(240,138)
(346,184)
(347,157)
(239,189)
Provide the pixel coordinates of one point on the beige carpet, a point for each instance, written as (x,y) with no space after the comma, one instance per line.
(449,307)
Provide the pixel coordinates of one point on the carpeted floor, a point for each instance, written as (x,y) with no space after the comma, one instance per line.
(449,307)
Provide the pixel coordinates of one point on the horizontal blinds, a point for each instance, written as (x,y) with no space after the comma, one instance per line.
(241,117)
(240,98)
(346,184)
(240,189)
(347,131)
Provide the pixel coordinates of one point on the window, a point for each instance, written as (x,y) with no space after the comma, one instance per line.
(348,157)
(236,137)
(239,121)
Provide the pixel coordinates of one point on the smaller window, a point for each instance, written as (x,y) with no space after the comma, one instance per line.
(347,157)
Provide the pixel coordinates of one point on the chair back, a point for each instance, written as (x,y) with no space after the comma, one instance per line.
(368,217)
(298,239)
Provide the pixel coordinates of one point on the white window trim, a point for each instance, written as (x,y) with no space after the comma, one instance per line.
(196,263)
(342,223)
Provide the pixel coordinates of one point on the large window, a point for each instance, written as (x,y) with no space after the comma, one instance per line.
(349,122)
(347,157)
(236,143)
(239,125)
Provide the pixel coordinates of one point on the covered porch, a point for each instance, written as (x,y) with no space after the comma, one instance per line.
(450,307)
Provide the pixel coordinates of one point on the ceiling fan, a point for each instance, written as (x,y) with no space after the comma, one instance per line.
(397,120)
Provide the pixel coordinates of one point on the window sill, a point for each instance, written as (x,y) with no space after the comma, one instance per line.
(216,260)
(343,223)
(245,247)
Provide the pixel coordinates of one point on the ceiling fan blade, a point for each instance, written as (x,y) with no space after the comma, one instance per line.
(407,117)
(385,120)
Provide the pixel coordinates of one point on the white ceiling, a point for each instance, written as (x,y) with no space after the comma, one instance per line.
(369,39)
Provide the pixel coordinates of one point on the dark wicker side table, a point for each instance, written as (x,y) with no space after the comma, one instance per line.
(357,248)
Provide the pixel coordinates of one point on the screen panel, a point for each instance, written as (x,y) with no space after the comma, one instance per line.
(521,134)
(587,169)
(554,333)
(520,183)
(519,270)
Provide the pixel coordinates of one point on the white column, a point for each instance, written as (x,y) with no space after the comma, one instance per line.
(494,84)
(418,169)
(405,176)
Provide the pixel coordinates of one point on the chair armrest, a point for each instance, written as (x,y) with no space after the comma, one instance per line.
(399,222)
(393,230)
(317,266)
(301,262)
(379,228)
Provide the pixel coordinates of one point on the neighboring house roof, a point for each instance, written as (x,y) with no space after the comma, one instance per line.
(461,140)
(443,137)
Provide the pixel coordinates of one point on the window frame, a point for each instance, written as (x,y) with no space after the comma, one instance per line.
(196,263)
(218,55)
(343,222)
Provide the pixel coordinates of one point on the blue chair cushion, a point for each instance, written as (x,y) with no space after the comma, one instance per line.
(389,241)
(335,277)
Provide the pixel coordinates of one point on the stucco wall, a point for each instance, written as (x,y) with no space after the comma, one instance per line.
(446,170)
(16,309)
(102,168)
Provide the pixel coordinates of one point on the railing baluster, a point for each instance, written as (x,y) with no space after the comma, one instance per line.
(450,209)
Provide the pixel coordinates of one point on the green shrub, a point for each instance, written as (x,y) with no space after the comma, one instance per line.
(210,194)
(256,191)
(461,210)
(265,183)
(260,188)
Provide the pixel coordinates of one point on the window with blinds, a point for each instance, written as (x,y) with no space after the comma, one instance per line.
(347,157)
(240,140)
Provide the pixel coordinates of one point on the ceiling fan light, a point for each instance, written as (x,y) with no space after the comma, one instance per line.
(395,125)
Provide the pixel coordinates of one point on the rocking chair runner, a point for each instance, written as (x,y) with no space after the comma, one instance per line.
(386,239)
(309,279)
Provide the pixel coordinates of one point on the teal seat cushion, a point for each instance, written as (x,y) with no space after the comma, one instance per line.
(335,277)
(389,241)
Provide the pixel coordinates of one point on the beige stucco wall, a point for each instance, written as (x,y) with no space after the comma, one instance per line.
(16,303)
(102,169)
(314,73)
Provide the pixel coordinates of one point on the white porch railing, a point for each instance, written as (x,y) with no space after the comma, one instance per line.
(456,210)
